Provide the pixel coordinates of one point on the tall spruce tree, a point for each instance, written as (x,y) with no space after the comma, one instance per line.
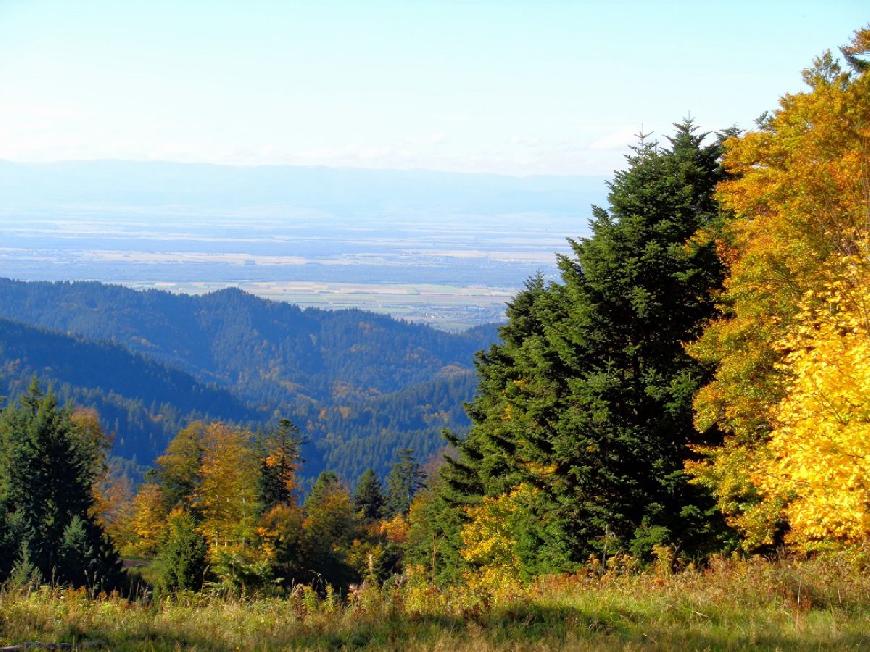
(281,458)
(404,480)
(588,398)
(46,496)
(368,497)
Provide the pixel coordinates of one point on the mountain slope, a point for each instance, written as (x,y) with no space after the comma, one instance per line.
(141,400)
(360,384)
(263,350)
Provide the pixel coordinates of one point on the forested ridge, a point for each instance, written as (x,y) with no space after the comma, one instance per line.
(361,385)
(141,402)
(263,350)
(686,404)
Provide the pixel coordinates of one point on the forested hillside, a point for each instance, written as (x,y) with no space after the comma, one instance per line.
(360,385)
(263,350)
(142,403)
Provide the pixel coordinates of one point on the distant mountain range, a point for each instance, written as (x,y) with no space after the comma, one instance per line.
(346,191)
(359,384)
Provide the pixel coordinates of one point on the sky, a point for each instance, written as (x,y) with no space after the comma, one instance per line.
(518,87)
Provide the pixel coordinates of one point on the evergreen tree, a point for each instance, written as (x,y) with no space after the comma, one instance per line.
(588,397)
(330,526)
(404,480)
(368,497)
(181,558)
(281,459)
(46,495)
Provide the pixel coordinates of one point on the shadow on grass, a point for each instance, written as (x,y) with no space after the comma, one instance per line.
(519,626)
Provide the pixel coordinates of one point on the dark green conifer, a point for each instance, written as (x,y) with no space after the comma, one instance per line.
(330,527)
(46,497)
(588,396)
(368,497)
(282,455)
(405,480)
(181,558)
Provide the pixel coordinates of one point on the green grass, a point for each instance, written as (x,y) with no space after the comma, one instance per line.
(786,605)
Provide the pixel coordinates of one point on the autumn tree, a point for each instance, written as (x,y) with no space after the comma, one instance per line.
(143,531)
(179,468)
(816,465)
(228,499)
(798,187)
(94,443)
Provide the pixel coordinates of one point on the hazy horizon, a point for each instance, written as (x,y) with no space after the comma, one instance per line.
(444,248)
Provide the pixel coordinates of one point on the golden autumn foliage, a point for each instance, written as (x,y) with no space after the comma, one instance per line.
(112,493)
(86,423)
(148,521)
(279,528)
(227,496)
(113,508)
(817,463)
(394,530)
(180,465)
(488,538)
(799,192)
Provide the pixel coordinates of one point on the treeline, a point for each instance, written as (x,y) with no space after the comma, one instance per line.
(268,353)
(221,509)
(695,383)
(142,403)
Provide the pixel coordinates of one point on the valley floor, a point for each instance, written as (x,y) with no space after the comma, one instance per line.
(786,605)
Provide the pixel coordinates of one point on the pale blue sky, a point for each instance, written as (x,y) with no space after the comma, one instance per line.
(509,86)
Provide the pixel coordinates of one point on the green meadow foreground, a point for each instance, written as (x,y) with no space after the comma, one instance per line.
(786,605)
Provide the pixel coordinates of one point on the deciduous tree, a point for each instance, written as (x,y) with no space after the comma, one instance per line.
(798,187)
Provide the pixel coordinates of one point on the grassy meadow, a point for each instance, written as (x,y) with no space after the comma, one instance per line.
(820,604)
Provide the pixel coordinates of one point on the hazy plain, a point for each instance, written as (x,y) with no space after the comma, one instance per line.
(449,250)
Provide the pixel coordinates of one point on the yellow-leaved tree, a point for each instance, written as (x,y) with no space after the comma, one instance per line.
(228,496)
(145,528)
(492,539)
(817,462)
(799,189)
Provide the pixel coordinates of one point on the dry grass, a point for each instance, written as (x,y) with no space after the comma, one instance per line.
(822,604)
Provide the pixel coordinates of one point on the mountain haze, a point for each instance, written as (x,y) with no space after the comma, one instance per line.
(347,191)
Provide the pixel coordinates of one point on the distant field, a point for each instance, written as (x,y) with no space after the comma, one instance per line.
(442,248)
(451,275)
(444,306)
